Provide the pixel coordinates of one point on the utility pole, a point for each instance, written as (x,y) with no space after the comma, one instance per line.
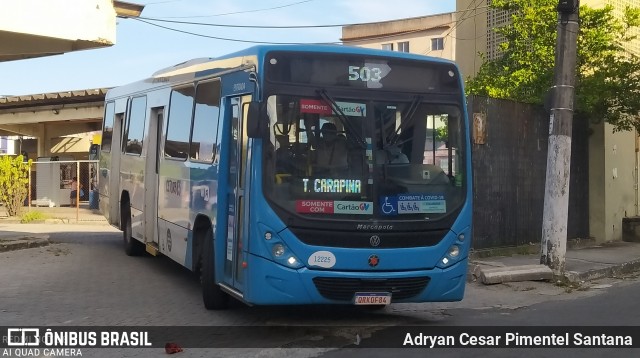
(556,195)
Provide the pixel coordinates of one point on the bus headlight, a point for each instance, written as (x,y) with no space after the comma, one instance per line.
(454,251)
(277,250)
(451,257)
(284,256)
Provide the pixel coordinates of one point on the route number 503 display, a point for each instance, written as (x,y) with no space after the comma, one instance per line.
(365,74)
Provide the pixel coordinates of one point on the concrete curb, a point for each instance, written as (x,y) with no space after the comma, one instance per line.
(57,221)
(490,273)
(496,275)
(73,221)
(611,271)
(19,243)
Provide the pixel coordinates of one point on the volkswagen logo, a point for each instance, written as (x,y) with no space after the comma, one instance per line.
(373,260)
(374,240)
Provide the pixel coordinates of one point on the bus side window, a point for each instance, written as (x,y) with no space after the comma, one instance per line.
(205,121)
(135,126)
(180,110)
(107,131)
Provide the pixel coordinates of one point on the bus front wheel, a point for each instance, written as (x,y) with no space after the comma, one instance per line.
(132,247)
(212,295)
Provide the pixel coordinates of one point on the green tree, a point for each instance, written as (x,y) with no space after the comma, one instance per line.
(608,78)
(14,181)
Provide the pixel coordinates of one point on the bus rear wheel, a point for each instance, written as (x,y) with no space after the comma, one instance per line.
(132,247)
(212,295)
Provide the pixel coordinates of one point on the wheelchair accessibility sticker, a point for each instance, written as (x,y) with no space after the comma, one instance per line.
(413,204)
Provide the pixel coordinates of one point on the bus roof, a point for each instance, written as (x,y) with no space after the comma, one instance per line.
(250,57)
(261,50)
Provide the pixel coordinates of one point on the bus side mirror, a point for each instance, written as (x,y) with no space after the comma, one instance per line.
(257,126)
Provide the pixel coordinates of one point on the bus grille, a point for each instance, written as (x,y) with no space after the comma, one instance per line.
(362,239)
(344,289)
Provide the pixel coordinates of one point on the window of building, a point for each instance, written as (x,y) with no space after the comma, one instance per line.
(176,144)
(107,131)
(437,44)
(388,47)
(205,121)
(135,126)
(403,46)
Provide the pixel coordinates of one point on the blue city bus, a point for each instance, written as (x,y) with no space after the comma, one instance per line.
(296,174)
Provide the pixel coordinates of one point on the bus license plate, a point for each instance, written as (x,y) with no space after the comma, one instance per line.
(372,298)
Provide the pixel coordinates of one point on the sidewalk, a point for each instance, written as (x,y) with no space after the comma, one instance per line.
(15,235)
(582,264)
(62,215)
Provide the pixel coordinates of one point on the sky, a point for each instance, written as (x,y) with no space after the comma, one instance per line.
(142,49)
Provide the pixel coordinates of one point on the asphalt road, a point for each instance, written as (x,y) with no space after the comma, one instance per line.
(617,305)
(85,279)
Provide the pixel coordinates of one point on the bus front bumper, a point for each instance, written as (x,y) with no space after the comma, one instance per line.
(272,284)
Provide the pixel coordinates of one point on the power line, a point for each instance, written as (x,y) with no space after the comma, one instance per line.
(163,19)
(282,43)
(230,39)
(244,26)
(238,12)
(147,20)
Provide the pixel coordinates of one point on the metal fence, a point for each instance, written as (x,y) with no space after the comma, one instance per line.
(509,154)
(51,183)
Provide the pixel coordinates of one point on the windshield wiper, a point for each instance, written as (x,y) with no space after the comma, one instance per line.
(355,137)
(407,120)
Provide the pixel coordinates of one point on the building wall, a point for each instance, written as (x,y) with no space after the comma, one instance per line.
(31,28)
(74,146)
(613,186)
(613,183)
(417,31)
(471,33)
(96,19)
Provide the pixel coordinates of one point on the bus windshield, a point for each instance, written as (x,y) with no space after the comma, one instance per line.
(355,158)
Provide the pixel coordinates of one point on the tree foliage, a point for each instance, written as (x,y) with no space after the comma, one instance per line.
(14,182)
(608,77)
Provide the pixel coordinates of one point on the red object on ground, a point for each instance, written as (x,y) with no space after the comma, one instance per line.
(172,348)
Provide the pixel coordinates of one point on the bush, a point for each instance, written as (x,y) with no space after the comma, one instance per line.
(14,183)
(33,215)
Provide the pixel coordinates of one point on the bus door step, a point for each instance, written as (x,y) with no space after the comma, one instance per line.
(152,248)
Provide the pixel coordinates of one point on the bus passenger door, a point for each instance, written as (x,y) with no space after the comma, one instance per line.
(114,170)
(154,136)
(239,157)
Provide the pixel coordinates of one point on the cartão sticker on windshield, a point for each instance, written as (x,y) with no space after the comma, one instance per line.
(353,109)
(315,106)
(413,204)
(324,259)
(334,207)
